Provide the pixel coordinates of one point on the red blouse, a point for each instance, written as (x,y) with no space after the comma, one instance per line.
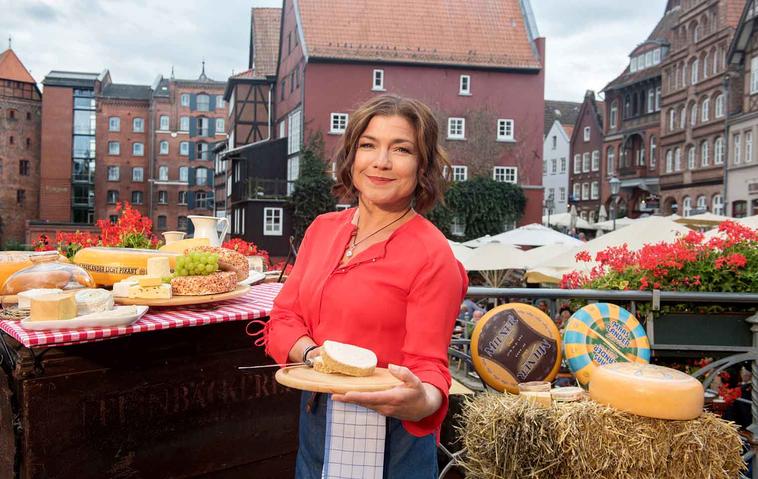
(398,298)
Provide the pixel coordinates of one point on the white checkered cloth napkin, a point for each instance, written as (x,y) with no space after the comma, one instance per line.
(354,446)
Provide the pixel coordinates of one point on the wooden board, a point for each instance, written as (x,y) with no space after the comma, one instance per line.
(187,300)
(307,379)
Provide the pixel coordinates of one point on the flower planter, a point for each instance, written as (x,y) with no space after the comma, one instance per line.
(700,332)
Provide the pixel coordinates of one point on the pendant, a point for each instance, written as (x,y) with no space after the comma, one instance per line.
(349,253)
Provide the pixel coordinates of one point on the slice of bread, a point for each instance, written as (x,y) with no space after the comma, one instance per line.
(345,359)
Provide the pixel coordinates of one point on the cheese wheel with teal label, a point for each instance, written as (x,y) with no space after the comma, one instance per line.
(515,343)
(603,333)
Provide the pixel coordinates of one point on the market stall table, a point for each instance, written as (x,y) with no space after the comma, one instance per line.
(159,398)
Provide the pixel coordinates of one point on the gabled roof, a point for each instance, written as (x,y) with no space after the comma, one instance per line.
(473,33)
(597,112)
(126,92)
(564,111)
(741,39)
(11,68)
(264,42)
(662,34)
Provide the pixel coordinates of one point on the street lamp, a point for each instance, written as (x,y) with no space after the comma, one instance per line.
(615,184)
(549,205)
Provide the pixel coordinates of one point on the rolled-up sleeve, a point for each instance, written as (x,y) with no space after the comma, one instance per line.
(433,304)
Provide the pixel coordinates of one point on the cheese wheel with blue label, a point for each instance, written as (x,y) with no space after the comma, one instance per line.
(515,343)
(603,333)
(648,390)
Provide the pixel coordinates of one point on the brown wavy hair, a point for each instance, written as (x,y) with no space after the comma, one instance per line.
(434,167)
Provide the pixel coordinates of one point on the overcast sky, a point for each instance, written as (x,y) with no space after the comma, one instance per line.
(587,40)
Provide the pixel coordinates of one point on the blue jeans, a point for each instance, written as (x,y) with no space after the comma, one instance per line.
(405,456)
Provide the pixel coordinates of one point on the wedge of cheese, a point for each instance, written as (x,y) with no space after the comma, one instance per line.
(53,307)
(158,267)
(162,291)
(346,359)
(150,281)
(93,301)
(25,297)
(121,289)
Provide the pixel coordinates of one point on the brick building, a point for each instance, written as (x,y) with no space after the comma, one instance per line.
(20,117)
(695,106)
(631,150)
(586,144)
(741,182)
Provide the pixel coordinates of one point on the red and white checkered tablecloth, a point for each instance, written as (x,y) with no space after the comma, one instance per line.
(255,304)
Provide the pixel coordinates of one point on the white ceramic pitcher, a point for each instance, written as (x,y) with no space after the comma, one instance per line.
(207,227)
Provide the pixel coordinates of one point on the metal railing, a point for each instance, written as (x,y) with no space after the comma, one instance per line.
(263,188)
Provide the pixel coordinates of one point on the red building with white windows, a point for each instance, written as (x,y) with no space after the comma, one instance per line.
(586,145)
(478,64)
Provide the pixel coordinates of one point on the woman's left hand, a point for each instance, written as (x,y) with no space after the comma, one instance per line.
(410,401)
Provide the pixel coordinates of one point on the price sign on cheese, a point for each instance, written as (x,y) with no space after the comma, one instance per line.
(603,333)
(515,343)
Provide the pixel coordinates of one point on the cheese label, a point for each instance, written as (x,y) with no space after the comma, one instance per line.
(515,343)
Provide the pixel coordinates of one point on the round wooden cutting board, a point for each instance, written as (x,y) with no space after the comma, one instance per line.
(186,300)
(307,379)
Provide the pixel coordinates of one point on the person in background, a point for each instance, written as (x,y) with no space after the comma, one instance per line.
(382,277)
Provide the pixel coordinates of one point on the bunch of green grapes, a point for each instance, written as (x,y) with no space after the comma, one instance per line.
(196,263)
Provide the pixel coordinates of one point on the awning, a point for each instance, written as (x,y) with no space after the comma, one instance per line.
(651,185)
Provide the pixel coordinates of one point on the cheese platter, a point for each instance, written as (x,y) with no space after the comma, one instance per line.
(119,316)
(177,300)
(308,379)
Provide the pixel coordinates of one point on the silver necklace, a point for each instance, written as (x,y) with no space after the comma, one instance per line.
(350,249)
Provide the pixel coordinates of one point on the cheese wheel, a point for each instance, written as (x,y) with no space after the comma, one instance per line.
(648,390)
(90,301)
(603,333)
(515,343)
(110,265)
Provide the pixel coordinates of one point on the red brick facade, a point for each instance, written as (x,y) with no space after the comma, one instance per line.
(585,166)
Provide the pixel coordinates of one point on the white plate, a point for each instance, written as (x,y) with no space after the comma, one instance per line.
(253,277)
(93,320)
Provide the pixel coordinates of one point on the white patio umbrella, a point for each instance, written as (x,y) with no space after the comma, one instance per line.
(474,243)
(459,251)
(608,225)
(703,219)
(750,221)
(531,235)
(602,214)
(493,260)
(564,220)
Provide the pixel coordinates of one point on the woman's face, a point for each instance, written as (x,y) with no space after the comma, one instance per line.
(386,163)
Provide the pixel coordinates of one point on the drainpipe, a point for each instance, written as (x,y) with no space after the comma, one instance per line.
(725,85)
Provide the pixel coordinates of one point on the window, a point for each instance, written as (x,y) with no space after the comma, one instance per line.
(658,98)
(184,123)
(220,102)
(627,106)
(163,150)
(456,128)
(739,209)
(754,75)
(183,174)
(585,162)
(338,123)
(464,87)
(610,161)
(163,173)
(544,167)
(694,70)
(203,102)
(138,149)
(682,118)
(651,100)
(595,160)
(138,173)
(136,197)
(554,142)
(114,148)
(201,176)
(201,200)
(377,83)
(562,191)
(717,205)
(203,151)
(586,133)
(138,125)
(691,158)
(672,119)
(677,159)
(23,167)
(112,197)
(458,227)
(577,164)
(164,123)
(202,126)
(506,174)
(737,152)
(553,166)
(585,191)
(113,173)
(563,165)
(293,172)
(705,66)
(184,148)
(272,221)
(720,106)
(161,222)
(113,219)
(686,206)
(614,113)
(182,198)
(220,126)
(653,156)
(181,223)
(163,197)
(551,193)
(705,110)
(669,161)
(294,121)
(702,204)
(577,191)
(704,154)
(693,115)
(718,151)
(460,173)
(114,123)
(594,190)
(185,99)
(505,130)
(748,146)
(657,56)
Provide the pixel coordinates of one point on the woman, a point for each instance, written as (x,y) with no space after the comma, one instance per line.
(382,277)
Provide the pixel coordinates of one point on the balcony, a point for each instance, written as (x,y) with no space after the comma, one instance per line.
(83,177)
(79,201)
(263,188)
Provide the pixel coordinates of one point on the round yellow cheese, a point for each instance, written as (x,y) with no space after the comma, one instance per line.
(648,390)
(515,343)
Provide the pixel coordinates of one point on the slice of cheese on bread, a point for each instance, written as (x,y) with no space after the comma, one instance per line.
(341,358)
